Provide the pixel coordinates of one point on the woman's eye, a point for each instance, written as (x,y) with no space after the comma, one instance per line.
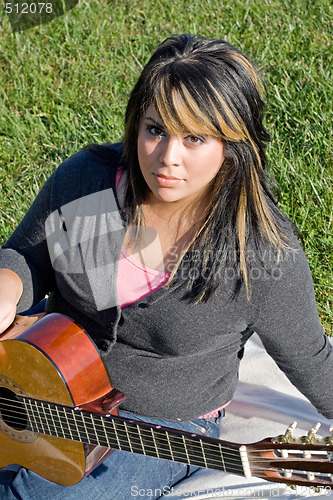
(154,130)
(194,139)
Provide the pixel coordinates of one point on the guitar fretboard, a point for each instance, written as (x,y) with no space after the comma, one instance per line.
(128,435)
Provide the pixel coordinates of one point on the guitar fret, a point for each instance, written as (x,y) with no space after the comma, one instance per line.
(105,435)
(64,424)
(217,460)
(123,435)
(155,444)
(49,420)
(66,430)
(141,441)
(95,432)
(128,438)
(112,437)
(73,413)
(222,458)
(185,447)
(36,429)
(85,437)
(148,443)
(45,418)
(177,446)
(57,425)
(60,427)
(170,447)
(160,445)
(40,419)
(203,453)
(116,434)
(194,451)
(74,432)
(131,438)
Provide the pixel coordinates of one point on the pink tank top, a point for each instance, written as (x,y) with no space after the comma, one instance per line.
(135,281)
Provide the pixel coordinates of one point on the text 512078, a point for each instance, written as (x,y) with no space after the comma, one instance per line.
(28,8)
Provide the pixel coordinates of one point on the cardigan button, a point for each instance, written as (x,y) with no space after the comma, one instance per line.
(143,305)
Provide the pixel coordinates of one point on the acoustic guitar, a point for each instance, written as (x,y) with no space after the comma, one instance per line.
(59,418)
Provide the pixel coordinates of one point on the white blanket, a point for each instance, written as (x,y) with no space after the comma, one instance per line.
(265,404)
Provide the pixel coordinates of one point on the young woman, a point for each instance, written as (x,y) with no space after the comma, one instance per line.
(170,250)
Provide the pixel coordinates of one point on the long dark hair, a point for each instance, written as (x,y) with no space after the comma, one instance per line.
(207,86)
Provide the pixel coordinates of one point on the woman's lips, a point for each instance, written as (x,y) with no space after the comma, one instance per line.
(165,180)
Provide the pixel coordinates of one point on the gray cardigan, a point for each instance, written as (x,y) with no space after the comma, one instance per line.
(173,359)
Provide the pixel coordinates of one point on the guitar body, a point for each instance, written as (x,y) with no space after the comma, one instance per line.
(53,360)
(58,417)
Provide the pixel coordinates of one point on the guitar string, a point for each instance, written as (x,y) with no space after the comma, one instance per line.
(231,468)
(48,407)
(83,429)
(239,470)
(120,421)
(21,407)
(194,443)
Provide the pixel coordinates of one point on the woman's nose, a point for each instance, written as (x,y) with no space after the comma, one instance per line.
(171,151)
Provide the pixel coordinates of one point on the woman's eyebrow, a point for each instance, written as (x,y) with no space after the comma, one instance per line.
(158,124)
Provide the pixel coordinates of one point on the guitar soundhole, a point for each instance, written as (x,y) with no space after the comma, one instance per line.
(12,410)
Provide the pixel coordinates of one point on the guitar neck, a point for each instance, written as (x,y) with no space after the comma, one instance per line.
(128,435)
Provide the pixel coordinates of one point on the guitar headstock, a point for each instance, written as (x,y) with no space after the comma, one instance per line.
(305,460)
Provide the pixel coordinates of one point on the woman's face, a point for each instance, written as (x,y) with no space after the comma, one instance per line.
(177,168)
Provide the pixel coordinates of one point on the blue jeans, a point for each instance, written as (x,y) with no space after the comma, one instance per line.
(122,476)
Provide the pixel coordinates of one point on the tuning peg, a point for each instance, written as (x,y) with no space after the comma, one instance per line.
(287,436)
(309,438)
(329,439)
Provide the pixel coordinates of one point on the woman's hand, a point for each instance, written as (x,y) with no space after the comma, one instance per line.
(11,289)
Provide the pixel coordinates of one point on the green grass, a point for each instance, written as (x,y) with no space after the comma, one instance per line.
(65,84)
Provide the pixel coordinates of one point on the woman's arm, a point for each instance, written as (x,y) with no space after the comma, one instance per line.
(11,289)
(26,255)
(290,330)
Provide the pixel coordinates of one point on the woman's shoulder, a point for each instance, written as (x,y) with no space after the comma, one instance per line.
(95,157)
(280,272)
(90,170)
